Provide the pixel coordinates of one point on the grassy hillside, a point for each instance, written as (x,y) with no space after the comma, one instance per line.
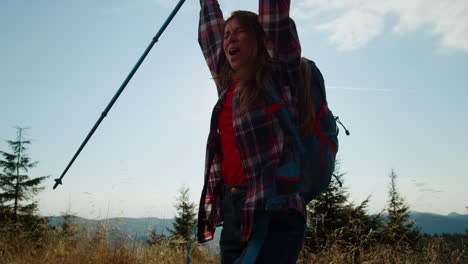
(83,245)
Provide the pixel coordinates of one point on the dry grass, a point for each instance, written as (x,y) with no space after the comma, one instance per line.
(435,252)
(89,247)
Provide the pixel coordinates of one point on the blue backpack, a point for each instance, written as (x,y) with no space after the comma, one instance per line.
(309,172)
(311,169)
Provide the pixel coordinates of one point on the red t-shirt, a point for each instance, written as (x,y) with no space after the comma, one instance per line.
(231,165)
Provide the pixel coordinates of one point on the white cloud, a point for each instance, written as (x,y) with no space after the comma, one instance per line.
(356,22)
(424,187)
(364,27)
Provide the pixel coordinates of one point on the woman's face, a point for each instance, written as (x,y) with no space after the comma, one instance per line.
(238,45)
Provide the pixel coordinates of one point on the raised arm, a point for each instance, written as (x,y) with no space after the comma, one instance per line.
(210,33)
(282,40)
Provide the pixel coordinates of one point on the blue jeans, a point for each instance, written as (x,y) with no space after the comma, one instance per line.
(284,239)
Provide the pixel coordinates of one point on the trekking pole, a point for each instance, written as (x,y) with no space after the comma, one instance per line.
(122,87)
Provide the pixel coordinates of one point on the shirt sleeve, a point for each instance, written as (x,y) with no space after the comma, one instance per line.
(210,33)
(282,40)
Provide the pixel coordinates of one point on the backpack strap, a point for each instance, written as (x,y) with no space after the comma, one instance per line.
(188,259)
(276,106)
(250,254)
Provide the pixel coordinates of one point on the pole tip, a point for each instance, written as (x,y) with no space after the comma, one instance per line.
(57,182)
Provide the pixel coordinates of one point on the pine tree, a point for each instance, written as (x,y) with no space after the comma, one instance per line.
(332,219)
(184,221)
(326,213)
(4,212)
(17,189)
(399,228)
(69,228)
(156,238)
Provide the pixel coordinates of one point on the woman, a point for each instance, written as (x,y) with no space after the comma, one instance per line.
(248,55)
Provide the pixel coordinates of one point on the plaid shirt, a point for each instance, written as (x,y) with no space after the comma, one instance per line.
(262,144)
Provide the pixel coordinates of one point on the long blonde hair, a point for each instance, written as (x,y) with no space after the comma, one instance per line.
(254,75)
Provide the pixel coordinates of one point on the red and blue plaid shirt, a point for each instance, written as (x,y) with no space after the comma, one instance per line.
(263,145)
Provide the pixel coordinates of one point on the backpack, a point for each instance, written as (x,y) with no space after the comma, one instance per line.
(311,169)
(313,163)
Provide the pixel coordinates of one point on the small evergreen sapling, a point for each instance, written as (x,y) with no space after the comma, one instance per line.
(17,188)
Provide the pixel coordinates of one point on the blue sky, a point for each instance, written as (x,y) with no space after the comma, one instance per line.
(396,74)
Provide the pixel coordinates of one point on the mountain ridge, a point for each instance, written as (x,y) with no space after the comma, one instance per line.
(139,228)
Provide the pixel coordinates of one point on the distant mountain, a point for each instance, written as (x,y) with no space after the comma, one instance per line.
(139,228)
(136,228)
(437,224)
